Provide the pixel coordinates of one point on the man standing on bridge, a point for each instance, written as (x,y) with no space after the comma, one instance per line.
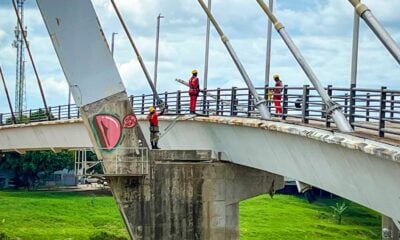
(277,93)
(194,90)
(154,130)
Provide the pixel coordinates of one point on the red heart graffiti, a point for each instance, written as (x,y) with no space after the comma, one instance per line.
(108,130)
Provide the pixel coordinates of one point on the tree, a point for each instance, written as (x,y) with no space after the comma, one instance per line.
(27,166)
(338,211)
(37,116)
(18,119)
(40,115)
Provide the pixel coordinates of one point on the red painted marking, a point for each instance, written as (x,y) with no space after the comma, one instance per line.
(130,121)
(108,130)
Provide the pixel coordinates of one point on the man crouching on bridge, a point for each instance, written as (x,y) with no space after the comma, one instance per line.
(154,130)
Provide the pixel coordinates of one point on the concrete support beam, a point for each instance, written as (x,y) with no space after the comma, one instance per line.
(189,199)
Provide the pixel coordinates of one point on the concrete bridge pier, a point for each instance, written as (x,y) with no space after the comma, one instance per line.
(189,195)
(390,230)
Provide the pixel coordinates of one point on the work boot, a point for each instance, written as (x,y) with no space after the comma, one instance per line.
(156,146)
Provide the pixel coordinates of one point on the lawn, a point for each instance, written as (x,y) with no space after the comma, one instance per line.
(288,217)
(40,215)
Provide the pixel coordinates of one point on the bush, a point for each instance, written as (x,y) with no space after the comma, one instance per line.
(105,236)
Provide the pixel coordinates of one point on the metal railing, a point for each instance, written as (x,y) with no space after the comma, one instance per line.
(121,161)
(127,161)
(375,110)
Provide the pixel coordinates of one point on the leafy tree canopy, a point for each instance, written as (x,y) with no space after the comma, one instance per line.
(27,166)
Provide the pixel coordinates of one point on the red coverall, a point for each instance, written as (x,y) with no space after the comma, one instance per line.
(154,130)
(194,91)
(277,96)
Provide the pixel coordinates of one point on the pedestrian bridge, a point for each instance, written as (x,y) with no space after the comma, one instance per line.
(361,169)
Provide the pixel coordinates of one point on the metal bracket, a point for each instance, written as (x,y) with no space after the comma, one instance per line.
(332,108)
(361,8)
(260,102)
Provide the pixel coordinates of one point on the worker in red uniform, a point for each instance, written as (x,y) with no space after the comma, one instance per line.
(277,93)
(154,130)
(194,90)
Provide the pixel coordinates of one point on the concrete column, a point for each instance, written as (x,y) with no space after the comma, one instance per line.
(389,229)
(187,195)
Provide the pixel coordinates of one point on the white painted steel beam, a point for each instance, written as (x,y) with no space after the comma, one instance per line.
(82,49)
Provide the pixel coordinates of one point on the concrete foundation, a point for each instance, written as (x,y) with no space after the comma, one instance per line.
(189,195)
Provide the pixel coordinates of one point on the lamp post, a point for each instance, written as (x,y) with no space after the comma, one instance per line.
(268,53)
(157,44)
(207,48)
(112,43)
(354,58)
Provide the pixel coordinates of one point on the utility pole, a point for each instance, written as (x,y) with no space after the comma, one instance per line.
(259,102)
(20,88)
(207,48)
(159,102)
(268,53)
(112,43)
(157,45)
(354,55)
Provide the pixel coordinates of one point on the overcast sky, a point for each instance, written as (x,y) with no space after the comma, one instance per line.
(322,29)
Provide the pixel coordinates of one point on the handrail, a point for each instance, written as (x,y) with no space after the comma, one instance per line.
(365,108)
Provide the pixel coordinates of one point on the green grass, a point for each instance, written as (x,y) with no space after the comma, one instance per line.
(40,215)
(288,217)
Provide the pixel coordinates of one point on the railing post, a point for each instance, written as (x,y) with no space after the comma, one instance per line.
(131,100)
(30,116)
(346,102)
(382,112)
(367,107)
(352,104)
(142,107)
(218,100)
(78,113)
(285,102)
(1,119)
(178,102)
(204,100)
(326,116)
(222,108)
(69,111)
(166,100)
(391,105)
(266,89)
(59,112)
(304,105)
(233,102)
(249,101)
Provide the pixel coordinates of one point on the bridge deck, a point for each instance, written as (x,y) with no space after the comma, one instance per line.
(368,130)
